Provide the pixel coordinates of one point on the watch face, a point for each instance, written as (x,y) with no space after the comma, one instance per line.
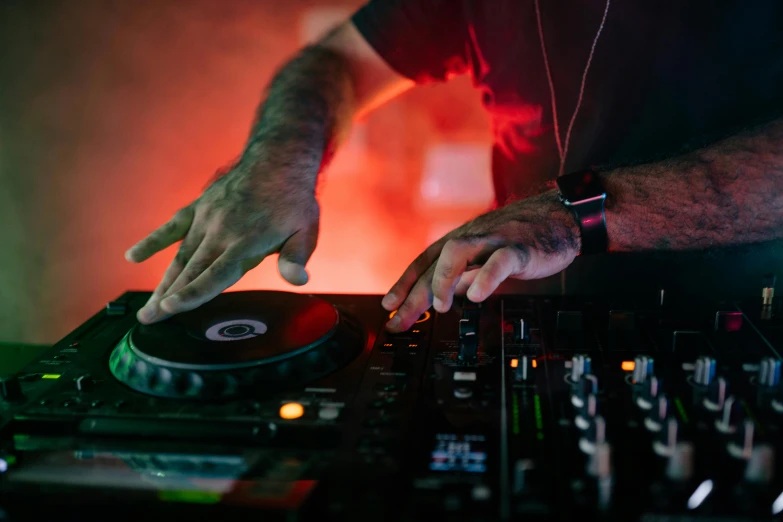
(580,186)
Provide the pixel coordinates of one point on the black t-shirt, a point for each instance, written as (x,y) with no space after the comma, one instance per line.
(667,75)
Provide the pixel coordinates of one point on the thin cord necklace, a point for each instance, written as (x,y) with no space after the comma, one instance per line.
(562,147)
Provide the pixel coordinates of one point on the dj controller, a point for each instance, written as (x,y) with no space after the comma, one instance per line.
(302,407)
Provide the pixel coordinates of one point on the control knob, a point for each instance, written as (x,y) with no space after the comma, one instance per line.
(769,384)
(741,444)
(716,394)
(643,368)
(10,388)
(587,412)
(84,383)
(594,436)
(599,466)
(649,392)
(731,415)
(761,465)
(705,371)
(587,385)
(679,467)
(580,365)
(667,440)
(658,415)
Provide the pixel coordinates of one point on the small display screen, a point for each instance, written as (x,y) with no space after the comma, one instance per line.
(457,453)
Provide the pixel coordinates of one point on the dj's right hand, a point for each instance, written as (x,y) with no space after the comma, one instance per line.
(239,220)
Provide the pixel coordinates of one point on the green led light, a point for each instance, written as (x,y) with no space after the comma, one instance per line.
(189,496)
(681,409)
(539,418)
(50,376)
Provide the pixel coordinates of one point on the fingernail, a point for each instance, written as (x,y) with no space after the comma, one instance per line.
(438,304)
(145,314)
(387,301)
(170,304)
(394,323)
(129,255)
(474,294)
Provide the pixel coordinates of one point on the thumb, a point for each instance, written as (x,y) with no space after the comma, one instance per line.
(295,254)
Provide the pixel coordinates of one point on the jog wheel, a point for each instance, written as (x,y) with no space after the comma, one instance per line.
(238,344)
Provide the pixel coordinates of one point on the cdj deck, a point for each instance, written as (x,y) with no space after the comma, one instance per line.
(301,407)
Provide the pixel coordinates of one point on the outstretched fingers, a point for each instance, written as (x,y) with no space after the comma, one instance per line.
(163,237)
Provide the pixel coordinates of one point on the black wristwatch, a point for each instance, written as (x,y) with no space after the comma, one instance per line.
(584,194)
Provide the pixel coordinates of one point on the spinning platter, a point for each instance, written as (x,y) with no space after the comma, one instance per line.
(239,343)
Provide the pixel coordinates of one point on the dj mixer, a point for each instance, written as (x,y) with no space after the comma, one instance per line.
(302,407)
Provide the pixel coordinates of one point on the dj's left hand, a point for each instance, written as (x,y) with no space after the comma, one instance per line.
(528,239)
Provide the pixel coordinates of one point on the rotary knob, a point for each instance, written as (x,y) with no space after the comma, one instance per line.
(643,369)
(658,415)
(580,365)
(587,385)
(741,444)
(730,417)
(705,371)
(667,440)
(679,467)
(84,383)
(761,465)
(594,436)
(587,413)
(769,372)
(716,395)
(650,390)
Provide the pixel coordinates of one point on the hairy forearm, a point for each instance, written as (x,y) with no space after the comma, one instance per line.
(307,109)
(726,194)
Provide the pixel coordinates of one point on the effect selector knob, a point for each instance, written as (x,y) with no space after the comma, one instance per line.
(730,417)
(643,369)
(658,415)
(705,371)
(586,386)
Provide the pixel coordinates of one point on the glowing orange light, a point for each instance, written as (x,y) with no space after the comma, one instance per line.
(425,316)
(628,366)
(514,363)
(292,410)
(535,363)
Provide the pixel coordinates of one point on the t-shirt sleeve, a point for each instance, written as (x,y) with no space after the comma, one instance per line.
(424,40)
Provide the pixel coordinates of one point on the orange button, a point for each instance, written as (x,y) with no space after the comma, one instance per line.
(292,410)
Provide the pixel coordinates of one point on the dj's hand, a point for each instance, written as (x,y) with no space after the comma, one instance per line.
(240,219)
(528,239)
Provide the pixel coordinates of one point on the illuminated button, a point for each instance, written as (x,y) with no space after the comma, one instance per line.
(514,363)
(628,366)
(292,410)
(422,318)
(50,376)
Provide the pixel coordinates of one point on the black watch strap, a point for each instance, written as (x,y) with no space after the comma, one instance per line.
(584,194)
